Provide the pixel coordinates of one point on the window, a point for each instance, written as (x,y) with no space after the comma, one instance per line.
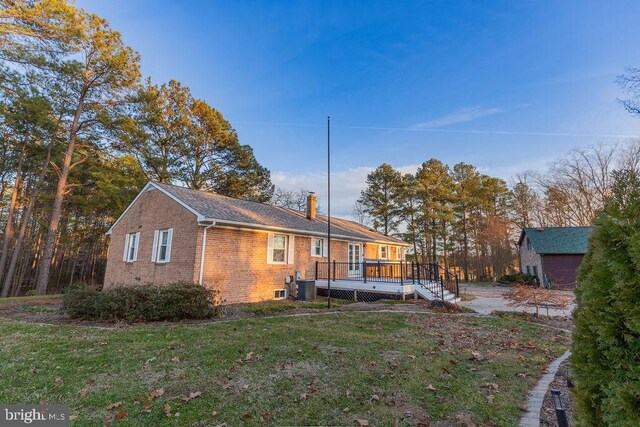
(528,244)
(280,249)
(528,270)
(131,242)
(161,251)
(384,252)
(280,294)
(317,247)
(398,253)
(535,270)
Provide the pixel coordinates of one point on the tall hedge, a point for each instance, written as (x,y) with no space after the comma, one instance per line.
(606,349)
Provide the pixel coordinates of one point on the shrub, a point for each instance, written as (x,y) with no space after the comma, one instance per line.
(520,279)
(521,295)
(606,348)
(147,302)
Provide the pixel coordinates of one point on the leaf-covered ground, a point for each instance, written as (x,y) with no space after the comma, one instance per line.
(340,368)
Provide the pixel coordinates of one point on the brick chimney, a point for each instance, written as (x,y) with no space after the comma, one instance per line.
(311,206)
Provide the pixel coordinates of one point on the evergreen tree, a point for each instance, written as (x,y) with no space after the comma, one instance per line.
(606,348)
(380,198)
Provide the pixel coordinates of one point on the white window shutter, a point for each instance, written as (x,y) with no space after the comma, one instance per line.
(126,247)
(135,252)
(169,240)
(270,248)
(313,246)
(154,249)
(325,247)
(292,249)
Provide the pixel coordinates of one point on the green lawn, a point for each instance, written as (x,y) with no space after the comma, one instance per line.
(326,369)
(282,306)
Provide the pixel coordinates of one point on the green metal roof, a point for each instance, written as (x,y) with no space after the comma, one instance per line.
(558,240)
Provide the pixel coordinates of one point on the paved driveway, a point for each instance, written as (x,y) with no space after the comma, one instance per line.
(490,299)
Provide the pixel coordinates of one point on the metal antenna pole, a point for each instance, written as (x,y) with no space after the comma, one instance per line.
(328,211)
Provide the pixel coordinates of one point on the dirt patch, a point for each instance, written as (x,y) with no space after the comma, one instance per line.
(548,413)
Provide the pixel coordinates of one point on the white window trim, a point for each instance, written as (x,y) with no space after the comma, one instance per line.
(286,294)
(157,240)
(289,249)
(380,252)
(127,247)
(313,247)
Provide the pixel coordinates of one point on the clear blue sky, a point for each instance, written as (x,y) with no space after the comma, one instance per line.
(403,81)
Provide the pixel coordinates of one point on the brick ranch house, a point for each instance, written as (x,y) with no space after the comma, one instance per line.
(553,253)
(248,251)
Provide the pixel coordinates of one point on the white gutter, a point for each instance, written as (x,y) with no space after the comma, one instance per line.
(204,247)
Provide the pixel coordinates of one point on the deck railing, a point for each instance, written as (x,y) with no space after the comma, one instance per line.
(402,272)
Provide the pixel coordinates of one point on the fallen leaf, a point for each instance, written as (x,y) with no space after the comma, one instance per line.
(181,377)
(121,415)
(465,421)
(167,409)
(192,396)
(303,396)
(158,392)
(84,392)
(147,406)
(346,409)
(490,386)
(476,356)
(249,356)
(430,387)
(59,382)
(113,405)
(175,359)
(266,416)
(375,397)
(490,399)
(247,416)
(362,423)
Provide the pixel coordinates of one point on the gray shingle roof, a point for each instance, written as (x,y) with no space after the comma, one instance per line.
(558,240)
(222,208)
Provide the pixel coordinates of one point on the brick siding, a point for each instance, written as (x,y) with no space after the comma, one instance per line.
(153,211)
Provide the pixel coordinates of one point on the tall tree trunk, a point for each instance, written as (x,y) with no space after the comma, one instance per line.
(6,286)
(434,243)
(465,239)
(42,279)
(8,230)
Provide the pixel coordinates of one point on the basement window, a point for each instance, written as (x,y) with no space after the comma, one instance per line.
(280,294)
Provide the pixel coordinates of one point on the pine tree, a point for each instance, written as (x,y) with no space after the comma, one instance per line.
(380,198)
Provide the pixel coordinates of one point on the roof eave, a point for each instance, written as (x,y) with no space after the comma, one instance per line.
(263,227)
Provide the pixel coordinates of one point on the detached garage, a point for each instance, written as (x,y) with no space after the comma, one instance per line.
(553,253)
